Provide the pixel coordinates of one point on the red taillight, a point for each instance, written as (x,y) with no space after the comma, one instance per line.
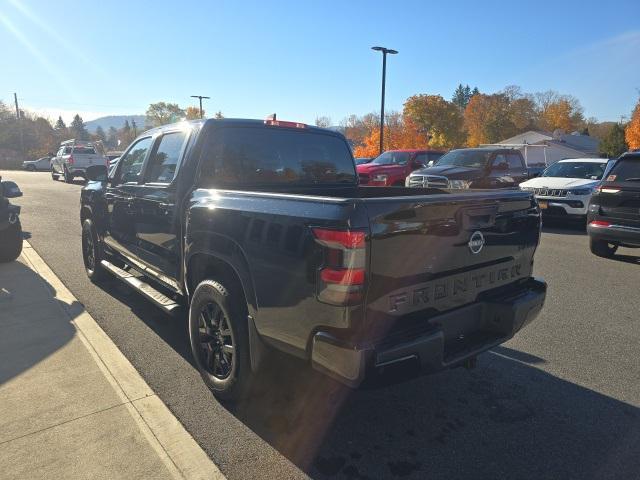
(340,238)
(342,274)
(70,161)
(600,223)
(345,276)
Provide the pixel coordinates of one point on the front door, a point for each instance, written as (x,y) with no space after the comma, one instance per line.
(120,234)
(157,219)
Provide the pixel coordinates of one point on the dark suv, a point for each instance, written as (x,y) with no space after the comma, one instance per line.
(614,211)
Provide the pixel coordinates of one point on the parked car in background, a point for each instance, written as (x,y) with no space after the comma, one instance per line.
(73,159)
(392,167)
(41,164)
(613,219)
(362,160)
(478,168)
(564,189)
(262,229)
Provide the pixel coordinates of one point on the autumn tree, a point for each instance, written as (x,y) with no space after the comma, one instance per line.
(632,132)
(161,113)
(193,113)
(613,144)
(556,111)
(77,128)
(439,120)
(100,135)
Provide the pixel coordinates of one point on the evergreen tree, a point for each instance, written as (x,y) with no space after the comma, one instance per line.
(60,125)
(474,92)
(112,138)
(614,144)
(100,135)
(134,127)
(78,130)
(459,97)
(219,115)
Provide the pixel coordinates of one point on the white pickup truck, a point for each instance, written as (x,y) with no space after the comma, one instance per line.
(74,157)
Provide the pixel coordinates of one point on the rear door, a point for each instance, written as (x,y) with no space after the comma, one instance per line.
(620,192)
(157,220)
(517,168)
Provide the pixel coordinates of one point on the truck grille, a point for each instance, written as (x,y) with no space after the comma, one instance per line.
(549,192)
(428,181)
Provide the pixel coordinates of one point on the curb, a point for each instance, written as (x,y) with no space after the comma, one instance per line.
(174,445)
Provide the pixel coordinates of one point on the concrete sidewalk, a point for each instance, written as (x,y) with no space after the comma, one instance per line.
(71,405)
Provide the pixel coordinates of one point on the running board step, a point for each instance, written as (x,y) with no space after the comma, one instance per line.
(160,299)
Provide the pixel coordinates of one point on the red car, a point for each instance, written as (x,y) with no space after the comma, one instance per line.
(392,167)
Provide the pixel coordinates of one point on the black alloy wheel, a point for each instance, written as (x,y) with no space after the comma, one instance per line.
(217,351)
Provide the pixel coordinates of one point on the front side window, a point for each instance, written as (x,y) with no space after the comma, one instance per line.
(131,163)
(273,156)
(163,165)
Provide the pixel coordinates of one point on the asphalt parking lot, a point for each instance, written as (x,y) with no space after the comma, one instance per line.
(561,400)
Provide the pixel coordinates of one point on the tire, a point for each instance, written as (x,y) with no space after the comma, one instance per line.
(31,168)
(92,252)
(219,337)
(11,242)
(602,248)
(68,178)
(54,174)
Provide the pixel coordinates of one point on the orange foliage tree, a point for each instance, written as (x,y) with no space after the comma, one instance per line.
(399,133)
(632,132)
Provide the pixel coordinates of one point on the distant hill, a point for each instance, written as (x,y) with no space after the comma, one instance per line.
(115,121)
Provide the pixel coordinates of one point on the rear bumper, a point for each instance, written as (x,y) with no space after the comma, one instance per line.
(455,337)
(616,234)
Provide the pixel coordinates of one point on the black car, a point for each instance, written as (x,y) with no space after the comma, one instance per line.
(614,211)
(476,168)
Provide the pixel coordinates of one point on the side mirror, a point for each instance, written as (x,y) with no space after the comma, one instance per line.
(97,173)
(10,189)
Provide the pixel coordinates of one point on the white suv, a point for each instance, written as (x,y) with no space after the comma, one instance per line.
(564,189)
(73,159)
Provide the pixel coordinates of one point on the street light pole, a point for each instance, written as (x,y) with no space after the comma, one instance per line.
(200,97)
(384,77)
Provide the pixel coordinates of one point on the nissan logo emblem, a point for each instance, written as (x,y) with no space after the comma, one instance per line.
(476,242)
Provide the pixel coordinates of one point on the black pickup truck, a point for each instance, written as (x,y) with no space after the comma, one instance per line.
(262,230)
(476,168)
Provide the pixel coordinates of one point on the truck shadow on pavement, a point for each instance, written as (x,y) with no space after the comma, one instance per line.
(31,327)
(505,419)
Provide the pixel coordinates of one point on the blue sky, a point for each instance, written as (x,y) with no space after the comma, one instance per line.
(303,59)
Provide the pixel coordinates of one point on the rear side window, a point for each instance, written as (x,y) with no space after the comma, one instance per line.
(625,170)
(84,151)
(272,156)
(515,163)
(163,165)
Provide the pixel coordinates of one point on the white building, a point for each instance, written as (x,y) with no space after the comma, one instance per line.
(555,146)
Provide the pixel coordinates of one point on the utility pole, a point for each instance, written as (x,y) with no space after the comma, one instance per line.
(200,97)
(19,120)
(384,51)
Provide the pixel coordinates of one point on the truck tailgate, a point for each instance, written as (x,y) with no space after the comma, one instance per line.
(433,253)
(84,161)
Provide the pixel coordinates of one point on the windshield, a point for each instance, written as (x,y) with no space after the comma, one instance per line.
(586,170)
(392,158)
(464,158)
